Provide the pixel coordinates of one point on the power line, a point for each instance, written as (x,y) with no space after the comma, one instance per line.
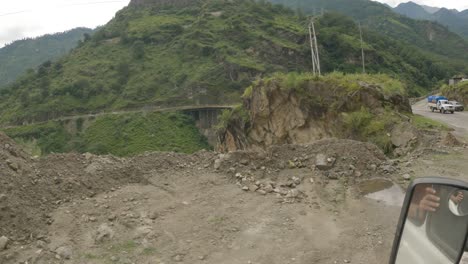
(362,50)
(314,48)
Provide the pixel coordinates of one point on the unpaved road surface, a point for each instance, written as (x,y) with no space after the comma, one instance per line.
(458,120)
(272,207)
(261,208)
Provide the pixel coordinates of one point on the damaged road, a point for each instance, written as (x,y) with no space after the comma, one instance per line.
(175,208)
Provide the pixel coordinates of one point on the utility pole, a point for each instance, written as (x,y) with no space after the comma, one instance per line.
(362,51)
(314,49)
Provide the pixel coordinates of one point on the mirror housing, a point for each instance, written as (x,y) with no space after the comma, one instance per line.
(433,224)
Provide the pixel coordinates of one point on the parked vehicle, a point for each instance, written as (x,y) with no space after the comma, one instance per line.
(440,103)
(457,106)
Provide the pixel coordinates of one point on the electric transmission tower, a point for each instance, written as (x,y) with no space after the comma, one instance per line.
(314,49)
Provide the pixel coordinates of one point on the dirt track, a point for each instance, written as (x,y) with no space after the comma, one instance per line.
(185,211)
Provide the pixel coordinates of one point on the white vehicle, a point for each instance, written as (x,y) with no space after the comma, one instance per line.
(441,105)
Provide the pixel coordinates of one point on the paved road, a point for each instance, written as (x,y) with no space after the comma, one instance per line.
(458,120)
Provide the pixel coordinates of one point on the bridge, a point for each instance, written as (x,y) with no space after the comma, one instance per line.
(205,116)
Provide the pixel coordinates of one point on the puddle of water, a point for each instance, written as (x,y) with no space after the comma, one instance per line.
(382,190)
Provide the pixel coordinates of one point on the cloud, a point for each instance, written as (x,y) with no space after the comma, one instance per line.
(457,4)
(15,32)
(32,18)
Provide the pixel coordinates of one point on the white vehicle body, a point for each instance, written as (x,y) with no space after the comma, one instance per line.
(413,242)
(442,105)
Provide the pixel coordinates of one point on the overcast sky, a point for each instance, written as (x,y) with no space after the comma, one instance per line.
(451,4)
(32,18)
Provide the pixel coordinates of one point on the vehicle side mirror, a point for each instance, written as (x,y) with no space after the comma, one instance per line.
(433,223)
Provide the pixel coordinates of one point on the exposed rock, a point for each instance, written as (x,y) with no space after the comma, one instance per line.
(294,193)
(178,258)
(268,188)
(279,115)
(322,162)
(3,242)
(104,233)
(451,141)
(13,165)
(253,187)
(64,252)
(217,164)
(406,176)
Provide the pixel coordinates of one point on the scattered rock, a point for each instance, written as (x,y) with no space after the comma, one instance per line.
(104,233)
(153,215)
(64,252)
(217,164)
(253,187)
(3,242)
(12,165)
(294,193)
(296,180)
(451,141)
(41,244)
(178,258)
(388,169)
(245,188)
(268,188)
(324,163)
(406,176)
(88,156)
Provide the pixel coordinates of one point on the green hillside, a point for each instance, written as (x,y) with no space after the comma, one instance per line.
(429,37)
(121,135)
(21,55)
(191,52)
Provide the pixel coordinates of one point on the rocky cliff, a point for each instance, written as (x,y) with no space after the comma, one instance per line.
(289,109)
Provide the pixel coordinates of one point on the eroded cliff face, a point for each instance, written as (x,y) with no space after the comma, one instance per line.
(272,114)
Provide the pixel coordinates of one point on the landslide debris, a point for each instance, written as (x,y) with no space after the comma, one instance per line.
(59,207)
(31,188)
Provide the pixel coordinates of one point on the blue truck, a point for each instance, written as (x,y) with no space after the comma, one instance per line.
(440,103)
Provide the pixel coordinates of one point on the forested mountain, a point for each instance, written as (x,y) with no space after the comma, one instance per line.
(430,9)
(454,20)
(413,10)
(428,36)
(158,52)
(21,55)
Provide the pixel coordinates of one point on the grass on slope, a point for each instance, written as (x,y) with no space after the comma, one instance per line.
(120,135)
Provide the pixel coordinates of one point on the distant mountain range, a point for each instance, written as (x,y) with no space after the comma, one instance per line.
(456,21)
(24,54)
